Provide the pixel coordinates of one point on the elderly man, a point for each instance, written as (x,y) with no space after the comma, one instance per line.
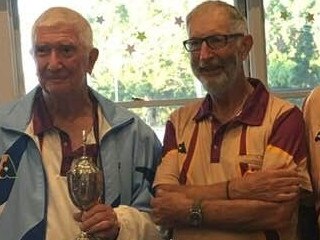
(311,113)
(233,162)
(41,133)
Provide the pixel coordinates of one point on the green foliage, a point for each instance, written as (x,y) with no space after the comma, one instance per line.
(306,52)
(122,11)
(291,49)
(157,67)
(280,73)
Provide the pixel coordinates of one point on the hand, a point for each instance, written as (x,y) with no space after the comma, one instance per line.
(270,185)
(170,208)
(100,221)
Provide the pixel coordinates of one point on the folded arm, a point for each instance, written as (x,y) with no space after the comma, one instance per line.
(272,185)
(171,209)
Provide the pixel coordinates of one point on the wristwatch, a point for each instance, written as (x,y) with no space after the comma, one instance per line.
(195,214)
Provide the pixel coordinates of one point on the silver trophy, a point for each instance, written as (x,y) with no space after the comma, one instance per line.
(85,184)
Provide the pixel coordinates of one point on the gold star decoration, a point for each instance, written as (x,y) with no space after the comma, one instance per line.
(100,19)
(284,15)
(141,36)
(130,49)
(310,17)
(178,21)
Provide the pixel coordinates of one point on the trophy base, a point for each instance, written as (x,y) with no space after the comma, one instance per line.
(85,236)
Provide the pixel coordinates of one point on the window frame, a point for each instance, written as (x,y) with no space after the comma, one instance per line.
(13,87)
(12,83)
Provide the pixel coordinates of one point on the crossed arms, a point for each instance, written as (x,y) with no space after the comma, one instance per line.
(259,201)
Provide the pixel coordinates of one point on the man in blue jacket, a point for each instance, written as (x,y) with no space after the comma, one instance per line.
(41,133)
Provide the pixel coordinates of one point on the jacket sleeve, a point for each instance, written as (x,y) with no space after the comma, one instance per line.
(135,225)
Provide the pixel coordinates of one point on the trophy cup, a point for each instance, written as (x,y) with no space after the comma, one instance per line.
(85,184)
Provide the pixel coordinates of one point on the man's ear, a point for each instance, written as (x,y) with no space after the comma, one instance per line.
(246,46)
(93,56)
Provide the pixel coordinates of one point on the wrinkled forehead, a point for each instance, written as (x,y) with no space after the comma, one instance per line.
(212,19)
(56,32)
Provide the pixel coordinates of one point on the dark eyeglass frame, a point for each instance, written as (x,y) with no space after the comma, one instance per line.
(221,40)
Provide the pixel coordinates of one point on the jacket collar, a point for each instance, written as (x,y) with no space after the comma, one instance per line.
(18,114)
(253,111)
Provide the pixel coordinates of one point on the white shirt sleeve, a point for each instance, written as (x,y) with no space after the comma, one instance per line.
(136,225)
(2,207)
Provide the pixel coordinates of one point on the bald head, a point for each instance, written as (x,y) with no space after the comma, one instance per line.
(61,16)
(238,21)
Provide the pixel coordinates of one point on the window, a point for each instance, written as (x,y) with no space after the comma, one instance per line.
(142,56)
(141,53)
(293,63)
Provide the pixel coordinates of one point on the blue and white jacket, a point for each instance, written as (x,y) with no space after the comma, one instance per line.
(132,150)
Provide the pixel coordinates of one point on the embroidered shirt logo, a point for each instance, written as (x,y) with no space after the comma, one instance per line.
(317,138)
(7,168)
(182,148)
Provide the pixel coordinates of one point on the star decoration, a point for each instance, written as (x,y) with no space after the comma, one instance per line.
(281,45)
(284,15)
(141,36)
(178,21)
(100,19)
(310,17)
(130,49)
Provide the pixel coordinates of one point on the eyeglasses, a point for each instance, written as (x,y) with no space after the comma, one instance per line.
(215,42)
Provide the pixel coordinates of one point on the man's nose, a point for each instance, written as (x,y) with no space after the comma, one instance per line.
(54,61)
(205,51)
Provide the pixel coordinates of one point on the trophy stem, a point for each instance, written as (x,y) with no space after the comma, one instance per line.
(84,142)
(83,236)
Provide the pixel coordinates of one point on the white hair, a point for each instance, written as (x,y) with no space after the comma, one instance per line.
(58,16)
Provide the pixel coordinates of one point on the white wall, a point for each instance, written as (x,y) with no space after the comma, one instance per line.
(10,86)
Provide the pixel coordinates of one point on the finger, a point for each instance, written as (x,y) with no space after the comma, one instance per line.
(77,216)
(285,181)
(105,229)
(96,209)
(98,217)
(289,182)
(283,197)
(285,173)
(110,234)
(102,226)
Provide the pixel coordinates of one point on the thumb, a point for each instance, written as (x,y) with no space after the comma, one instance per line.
(77,216)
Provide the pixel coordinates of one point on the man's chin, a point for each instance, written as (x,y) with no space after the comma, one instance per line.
(214,86)
(57,89)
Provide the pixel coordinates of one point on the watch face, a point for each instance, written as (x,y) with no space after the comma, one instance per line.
(195,215)
(195,219)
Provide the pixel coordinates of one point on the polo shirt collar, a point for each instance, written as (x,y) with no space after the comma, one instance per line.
(41,118)
(253,111)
